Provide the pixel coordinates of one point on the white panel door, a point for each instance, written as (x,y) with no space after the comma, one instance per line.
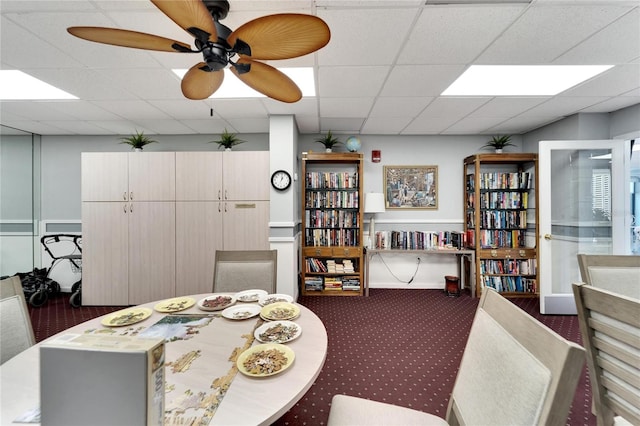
(105,254)
(584,208)
(152,251)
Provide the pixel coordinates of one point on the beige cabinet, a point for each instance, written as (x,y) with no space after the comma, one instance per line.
(128,227)
(222,203)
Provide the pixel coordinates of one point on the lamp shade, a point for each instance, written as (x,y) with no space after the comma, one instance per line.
(374,202)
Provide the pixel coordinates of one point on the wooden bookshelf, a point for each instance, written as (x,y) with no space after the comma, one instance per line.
(501,221)
(332,217)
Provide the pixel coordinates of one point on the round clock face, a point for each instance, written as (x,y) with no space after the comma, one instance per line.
(281,180)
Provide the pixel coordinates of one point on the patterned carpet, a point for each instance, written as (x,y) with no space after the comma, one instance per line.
(397,346)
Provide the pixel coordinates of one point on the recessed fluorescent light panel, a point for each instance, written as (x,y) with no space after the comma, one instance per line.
(16,85)
(233,87)
(521,80)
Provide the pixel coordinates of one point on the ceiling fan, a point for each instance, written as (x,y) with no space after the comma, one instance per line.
(271,37)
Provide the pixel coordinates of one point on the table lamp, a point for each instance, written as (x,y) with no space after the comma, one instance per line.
(373,203)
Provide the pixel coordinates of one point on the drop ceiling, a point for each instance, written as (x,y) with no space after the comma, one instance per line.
(383,71)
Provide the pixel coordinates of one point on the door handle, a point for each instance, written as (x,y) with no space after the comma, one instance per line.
(547,237)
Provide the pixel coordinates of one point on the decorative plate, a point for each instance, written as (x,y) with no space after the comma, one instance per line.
(216,302)
(265,360)
(126,317)
(277,332)
(250,295)
(280,311)
(274,298)
(240,312)
(176,304)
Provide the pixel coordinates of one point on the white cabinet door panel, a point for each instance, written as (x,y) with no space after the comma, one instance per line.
(152,176)
(104,176)
(246,175)
(198,176)
(246,225)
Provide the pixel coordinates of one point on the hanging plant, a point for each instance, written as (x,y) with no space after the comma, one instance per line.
(228,140)
(137,141)
(329,141)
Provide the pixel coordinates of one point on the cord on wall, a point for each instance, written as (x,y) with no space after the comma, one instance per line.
(394,275)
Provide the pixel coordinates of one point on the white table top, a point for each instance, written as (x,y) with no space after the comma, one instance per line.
(249,401)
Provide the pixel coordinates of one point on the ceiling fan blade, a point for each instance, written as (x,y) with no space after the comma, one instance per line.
(199,83)
(268,80)
(128,38)
(189,14)
(282,36)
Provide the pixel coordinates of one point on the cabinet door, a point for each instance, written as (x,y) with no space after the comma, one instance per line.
(198,236)
(246,175)
(198,176)
(152,176)
(246,225)
(105,253)
(152,251)
(104,176)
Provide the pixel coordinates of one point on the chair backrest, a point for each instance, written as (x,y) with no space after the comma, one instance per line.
(514,369)
(237,270)
(610,327)
(617,273)
(11,286)
(16,333)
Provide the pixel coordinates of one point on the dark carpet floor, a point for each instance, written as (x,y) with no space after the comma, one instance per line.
(397,346)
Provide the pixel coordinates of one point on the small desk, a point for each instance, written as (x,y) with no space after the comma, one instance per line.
(248,401)
(461,254)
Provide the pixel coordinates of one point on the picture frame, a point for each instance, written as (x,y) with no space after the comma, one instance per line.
(411,187)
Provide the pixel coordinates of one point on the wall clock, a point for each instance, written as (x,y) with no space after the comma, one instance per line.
(281,180)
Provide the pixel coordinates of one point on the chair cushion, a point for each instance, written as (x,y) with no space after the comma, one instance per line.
(349,410)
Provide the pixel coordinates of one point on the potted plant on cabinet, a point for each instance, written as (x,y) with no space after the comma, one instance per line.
(498,143)
(137,141)
(329,141)
(228,140)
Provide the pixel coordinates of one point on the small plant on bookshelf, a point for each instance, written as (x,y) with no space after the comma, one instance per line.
(329,141)
(498,143)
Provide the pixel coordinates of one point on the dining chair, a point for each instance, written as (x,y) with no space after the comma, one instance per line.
(617,273)
(16,331)
(610,328)
(514,371)
(237,270)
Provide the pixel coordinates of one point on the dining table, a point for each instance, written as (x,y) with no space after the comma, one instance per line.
(200,359)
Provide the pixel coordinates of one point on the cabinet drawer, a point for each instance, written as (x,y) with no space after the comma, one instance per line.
(504,253)
(332,251)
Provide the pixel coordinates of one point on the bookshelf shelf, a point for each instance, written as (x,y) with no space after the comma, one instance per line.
(332,217)
(501,221)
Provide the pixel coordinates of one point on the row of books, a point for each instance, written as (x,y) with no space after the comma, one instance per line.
(510,284)
(332,219)
(345,266)
(419,240)
(495,238)
(508,266)
(504,200)
(331,180)
(315,283)
(332,199)
(332,237)
(501,180)
(503,219)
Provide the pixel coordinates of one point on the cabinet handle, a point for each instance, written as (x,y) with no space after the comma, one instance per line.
(218,194)
(131,209)
(547,237)
(225,207)
(226,196)
(219,208)
(131,196)
(124,208)
(124,196)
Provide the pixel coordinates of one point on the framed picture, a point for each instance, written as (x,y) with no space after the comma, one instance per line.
(411,187)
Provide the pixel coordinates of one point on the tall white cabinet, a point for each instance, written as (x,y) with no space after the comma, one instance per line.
(128,227)
(222,203)
(153,221)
